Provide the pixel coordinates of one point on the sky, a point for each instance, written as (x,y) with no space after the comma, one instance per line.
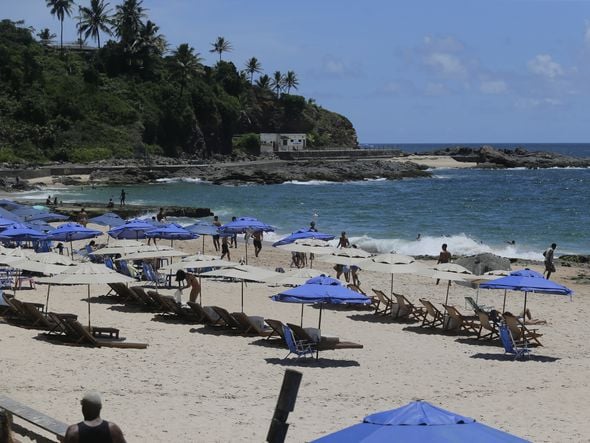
(409,71)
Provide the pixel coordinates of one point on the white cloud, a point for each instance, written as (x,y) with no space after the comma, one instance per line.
(337,67)
(544,66)
(587,32)
(445,63)
(493,86)
(527,103)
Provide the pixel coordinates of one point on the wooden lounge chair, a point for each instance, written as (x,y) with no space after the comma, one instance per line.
(145,299)
(384,305)
(63,326)
(355,288)
(325,343)
(205,314)
(475,306)
(230,322)
(28,314)
(171,307)
(485,323)
(78,335)
(520,331)
(404,308)
(124,293)
(251,327)
(462,322)
(277,328)
(433,317)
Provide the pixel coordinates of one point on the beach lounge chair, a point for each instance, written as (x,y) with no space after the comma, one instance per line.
(384,305)
(462,322)
(519,331)
(205,314)
(472,304)
(277,328)
(124,293)
(144,298)
(230,322)
(168,305)
(27,314)
(252,325)
(152,276)
(355,288)
(63,326)
(300,348)
(510,345)
(108,262)
(325,343)
(404,308)
(487,324)
(78,335)
(433,317)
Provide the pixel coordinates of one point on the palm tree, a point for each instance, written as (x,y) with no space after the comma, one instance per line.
(278,82)
(148,41)
(46,36)
(290,81)
(59,9)
(128,21)
(186,63)
(253,66)
(95,19)
(264,82)
(220,46)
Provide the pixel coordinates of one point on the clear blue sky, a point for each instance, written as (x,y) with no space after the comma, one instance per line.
(402,71)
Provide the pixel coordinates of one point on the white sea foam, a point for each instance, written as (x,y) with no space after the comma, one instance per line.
(310,182)
(181,180)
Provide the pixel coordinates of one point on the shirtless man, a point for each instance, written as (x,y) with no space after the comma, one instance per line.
(225,248)
(191,282)
(343,242)
(93,428)
(443,257)
(257,241)
(217,224)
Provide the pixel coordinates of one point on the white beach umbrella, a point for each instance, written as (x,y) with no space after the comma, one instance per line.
(200,257)
(450,272)
(35,266)
(310,246)
(51,258)
(243,273)
(85,274)
(159,253)
(346,256)
(392,264)
(294,277)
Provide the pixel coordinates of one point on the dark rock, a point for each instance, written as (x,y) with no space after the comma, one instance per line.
(482,263)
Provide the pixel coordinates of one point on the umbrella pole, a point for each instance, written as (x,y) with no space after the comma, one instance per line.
(317,351)
(524,310)
(247,251)
(203,244)
(504,304)
(448,287)
(242,296)
(301,324)
(89,329)
(71,249)
(47,299)
(391,284)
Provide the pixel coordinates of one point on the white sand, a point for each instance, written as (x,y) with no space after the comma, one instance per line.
(192,384)
(436,161)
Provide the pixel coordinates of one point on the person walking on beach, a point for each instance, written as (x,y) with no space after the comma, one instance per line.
(443,257)
(122,197)
(161,216)
(343,241)
(217,224)
(233,241)
(257,241)
(191,282)
(93,428)
(549,266)
(225,248)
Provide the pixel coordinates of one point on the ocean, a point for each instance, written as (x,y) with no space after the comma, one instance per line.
(471,210)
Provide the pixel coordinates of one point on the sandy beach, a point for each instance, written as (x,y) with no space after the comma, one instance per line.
(195,384)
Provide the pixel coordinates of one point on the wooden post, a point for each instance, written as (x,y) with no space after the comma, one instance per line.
(285,404)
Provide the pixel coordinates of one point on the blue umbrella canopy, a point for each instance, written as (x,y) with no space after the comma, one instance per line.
(245,224)
(131,229)
(18,232)
(528,281)
(9,215)
(419,421)
(5,222)
(321,289)
(203,229)
(303,233)
(39,225)
(72,231)
(9,204)
(107,219)
(171,231)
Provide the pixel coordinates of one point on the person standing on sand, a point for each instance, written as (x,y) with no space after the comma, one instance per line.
(549,266)
(233,241)
(122,197)
(217,224)
(161,215)
(257,241)
(443,257)
(225,248)
(191,282)
(93,428)
(83,217)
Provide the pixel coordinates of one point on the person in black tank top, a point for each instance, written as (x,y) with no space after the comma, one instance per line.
(93,429)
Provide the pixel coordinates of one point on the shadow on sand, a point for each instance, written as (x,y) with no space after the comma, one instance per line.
(509,357)
(312,362)
(384,319)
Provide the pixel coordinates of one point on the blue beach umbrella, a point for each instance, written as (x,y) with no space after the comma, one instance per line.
(18,232)
(203,228)
(109,219)
(171,232)
(303,233)
(9,204)
(5,222)
(419,421)
(244,225)
(528,281)
(9,215)
(31,213)
(70,232)
(132,229)
(321,290)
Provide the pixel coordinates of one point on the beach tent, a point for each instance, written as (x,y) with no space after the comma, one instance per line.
(526,280)
(321,290)
(301,234)
(244,225)
(85,274)
(72,231)
(419,421)
(131,229)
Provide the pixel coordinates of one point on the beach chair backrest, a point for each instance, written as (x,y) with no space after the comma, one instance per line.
(276,325)
(507,340)
(124,267)
(108,262)
(453,313)
(484,319)
(290,339)
(473,304)
(430,308)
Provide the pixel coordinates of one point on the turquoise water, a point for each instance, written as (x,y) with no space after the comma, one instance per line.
(471,210)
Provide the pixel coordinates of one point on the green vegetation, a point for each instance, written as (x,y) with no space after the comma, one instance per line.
(132,97)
